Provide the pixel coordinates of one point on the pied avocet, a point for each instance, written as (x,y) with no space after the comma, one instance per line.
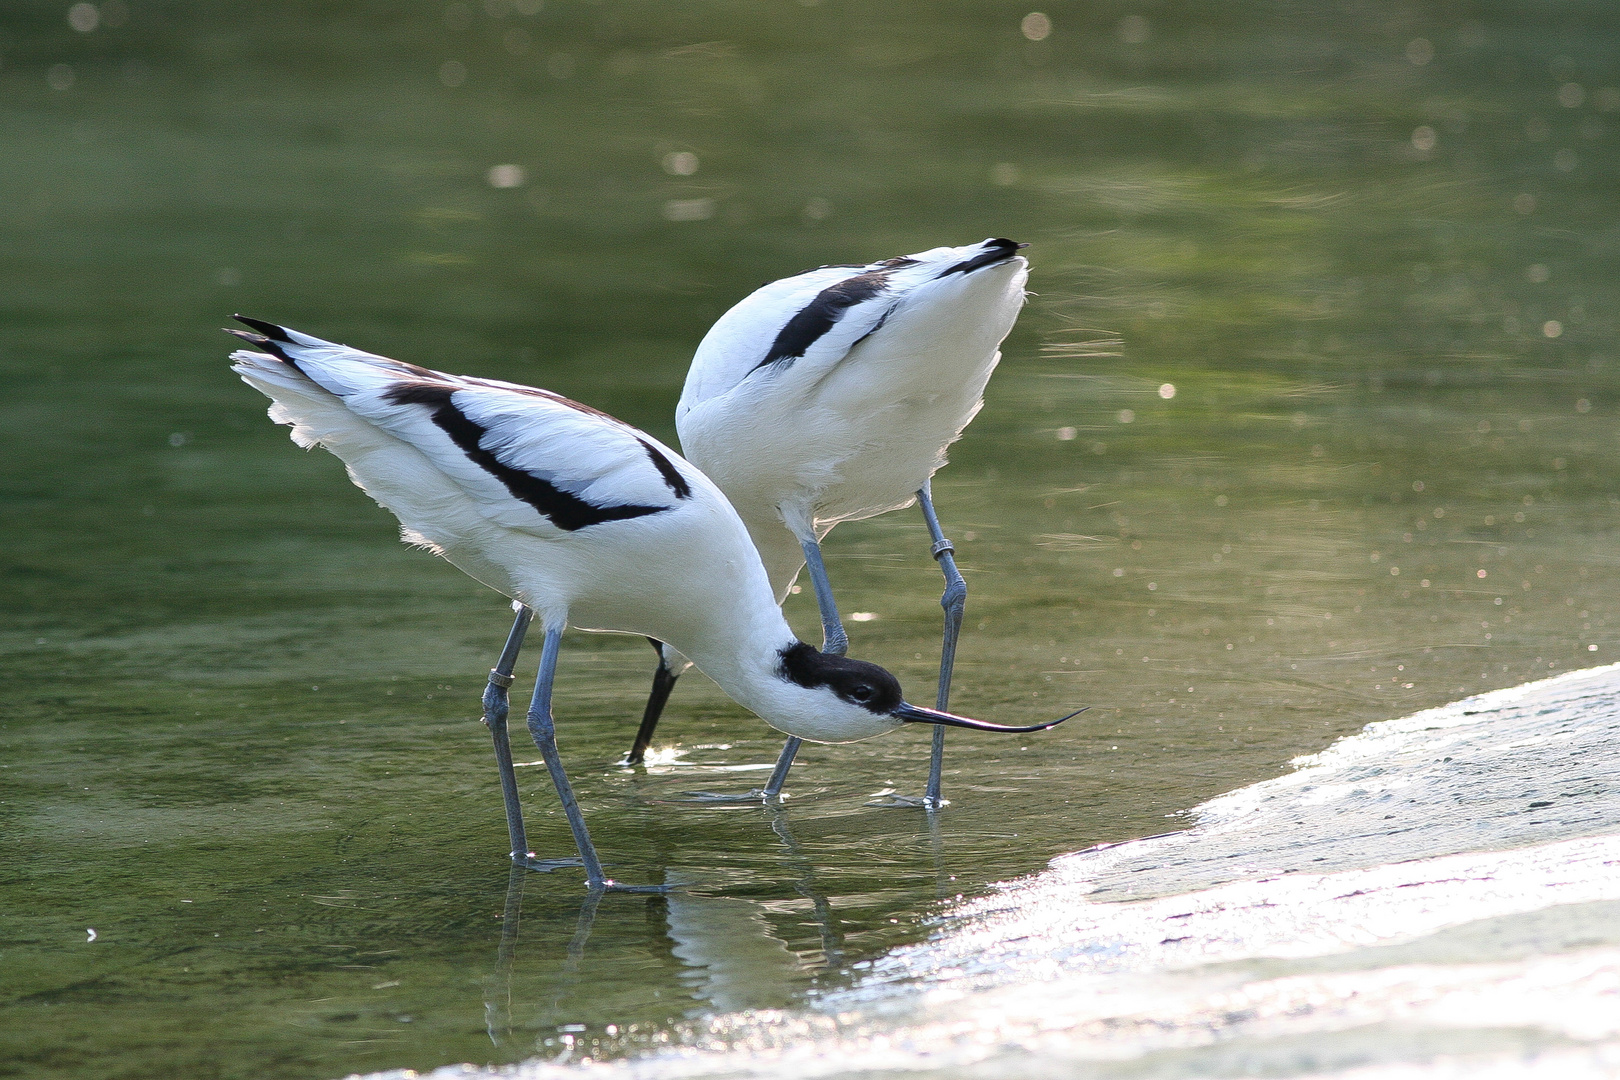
(582,520)
(832,396)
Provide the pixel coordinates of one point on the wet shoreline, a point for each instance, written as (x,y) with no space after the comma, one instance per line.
(1292,930)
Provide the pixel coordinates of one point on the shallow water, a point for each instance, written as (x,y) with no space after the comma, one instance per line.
(1296,930)
(238,734)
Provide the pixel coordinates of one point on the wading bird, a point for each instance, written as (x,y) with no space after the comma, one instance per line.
(580,519)
(832,396)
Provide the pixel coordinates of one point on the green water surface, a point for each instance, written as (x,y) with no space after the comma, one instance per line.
(1310,421)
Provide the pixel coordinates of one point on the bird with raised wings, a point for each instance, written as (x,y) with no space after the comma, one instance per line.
(583,521)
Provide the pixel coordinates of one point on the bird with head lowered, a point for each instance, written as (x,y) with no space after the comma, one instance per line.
(583,521)
(832,396)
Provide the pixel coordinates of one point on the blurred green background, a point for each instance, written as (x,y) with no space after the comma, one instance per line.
(1310,421)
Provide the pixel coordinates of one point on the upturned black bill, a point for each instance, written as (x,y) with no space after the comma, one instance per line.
(914,714)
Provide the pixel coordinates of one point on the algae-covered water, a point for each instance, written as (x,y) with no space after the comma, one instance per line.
(1310,422)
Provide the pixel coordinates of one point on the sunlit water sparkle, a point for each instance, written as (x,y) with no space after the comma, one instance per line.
(289,882)
(1468,924)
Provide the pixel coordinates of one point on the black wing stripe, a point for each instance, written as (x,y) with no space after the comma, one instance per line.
(562,508)
(666,468)
(822,314)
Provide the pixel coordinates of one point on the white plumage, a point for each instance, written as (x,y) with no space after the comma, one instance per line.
(582,519)
(855,424)
(339,398)
(832,396)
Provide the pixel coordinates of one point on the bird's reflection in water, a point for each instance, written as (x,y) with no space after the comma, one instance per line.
(498,988)
(734,952)
(832,934)
(498,1000)
(731,959)
(936,851)
(731,954)
(735,958)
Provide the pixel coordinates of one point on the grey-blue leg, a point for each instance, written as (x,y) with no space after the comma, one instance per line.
(954,601)
(544,732)
(773,786)
(772,790)
(833,638)
(495,711)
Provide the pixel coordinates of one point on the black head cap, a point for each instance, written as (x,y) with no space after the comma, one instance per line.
(854,681)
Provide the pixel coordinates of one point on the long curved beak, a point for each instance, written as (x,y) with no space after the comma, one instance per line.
(914,714)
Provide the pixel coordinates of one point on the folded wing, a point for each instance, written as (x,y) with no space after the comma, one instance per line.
(812,320)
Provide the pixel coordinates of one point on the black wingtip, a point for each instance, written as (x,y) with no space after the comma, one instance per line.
(996,250)
(269,329)
(268,339)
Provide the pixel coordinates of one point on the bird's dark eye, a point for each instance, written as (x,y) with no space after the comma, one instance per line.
(862,692)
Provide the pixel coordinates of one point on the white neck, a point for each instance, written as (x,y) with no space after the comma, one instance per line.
(743,654)
(741,651)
